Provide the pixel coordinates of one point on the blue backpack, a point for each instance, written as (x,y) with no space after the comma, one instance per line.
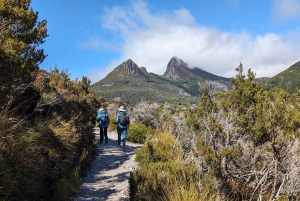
(103,118)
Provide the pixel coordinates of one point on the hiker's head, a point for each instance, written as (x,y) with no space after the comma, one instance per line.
(101,109)
(122,109)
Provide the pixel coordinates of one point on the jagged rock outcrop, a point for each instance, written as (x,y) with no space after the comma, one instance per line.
(144,70)
(178,69)
(126,68)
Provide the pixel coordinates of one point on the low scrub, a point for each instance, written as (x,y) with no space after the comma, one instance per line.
(162,176)
(47,139)
(42,159)
(139,132)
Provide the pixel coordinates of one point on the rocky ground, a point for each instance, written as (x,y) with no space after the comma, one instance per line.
(108,178)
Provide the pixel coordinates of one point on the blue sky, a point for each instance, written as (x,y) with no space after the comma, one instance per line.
(90,38)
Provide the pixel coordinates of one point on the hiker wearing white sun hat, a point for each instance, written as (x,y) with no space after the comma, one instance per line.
(123,121)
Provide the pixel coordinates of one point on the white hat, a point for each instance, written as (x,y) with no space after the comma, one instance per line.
(122,109)
(101,109)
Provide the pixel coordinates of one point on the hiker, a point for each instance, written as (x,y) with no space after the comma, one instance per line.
(123,122)
(104,121)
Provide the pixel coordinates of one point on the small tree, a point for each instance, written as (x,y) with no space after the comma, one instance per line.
(20,36)
(245,98)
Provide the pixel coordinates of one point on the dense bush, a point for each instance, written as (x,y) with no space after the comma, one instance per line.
(139,132)
(162,176)
(145,113)
(48,139)
(243,144)
(248,140)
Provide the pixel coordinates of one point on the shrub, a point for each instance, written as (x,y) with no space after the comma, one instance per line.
(41,157)
(138,133)
(163,177)
(145,113)
(48,141)
(112,126)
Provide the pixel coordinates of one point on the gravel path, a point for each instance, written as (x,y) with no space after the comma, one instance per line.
(108,178)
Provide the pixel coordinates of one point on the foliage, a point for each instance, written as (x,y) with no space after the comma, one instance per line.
(163,177)
(48,145)
(112,126)
(145,113)
(249,141)
(20,36)
(139,132)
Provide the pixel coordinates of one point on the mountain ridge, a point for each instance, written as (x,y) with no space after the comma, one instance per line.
(134,83)
(288,79)
(179,82)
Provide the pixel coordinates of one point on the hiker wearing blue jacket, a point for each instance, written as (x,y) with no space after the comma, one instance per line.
(103,120)
(123,121)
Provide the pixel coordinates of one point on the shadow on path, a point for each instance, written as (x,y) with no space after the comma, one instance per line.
(108,177)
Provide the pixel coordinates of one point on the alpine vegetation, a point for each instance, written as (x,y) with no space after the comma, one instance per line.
(236,145)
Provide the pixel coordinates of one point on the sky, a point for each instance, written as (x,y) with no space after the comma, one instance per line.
(90,38)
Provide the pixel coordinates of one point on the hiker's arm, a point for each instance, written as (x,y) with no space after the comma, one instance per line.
(98,117)
(117,119)
(108,119)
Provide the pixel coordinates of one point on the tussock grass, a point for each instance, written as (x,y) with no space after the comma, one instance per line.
(42,159)
(163,176)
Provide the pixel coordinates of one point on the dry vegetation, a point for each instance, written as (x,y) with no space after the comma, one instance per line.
(46,137)
(240,145)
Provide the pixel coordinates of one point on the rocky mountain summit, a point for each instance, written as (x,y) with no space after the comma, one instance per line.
(178,69)
(126,68)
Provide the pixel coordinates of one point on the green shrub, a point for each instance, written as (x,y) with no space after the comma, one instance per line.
(162,176)
(138,133)
(112,126)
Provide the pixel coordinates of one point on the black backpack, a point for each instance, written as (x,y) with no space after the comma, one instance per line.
(103,118)
(123,119)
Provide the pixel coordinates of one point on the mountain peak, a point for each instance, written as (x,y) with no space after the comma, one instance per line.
(177,61)
(178,69)
(126,68)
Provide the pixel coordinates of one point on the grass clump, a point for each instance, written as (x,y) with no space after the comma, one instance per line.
(162,176)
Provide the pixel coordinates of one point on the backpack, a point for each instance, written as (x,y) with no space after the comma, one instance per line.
(123,119)
(103,118)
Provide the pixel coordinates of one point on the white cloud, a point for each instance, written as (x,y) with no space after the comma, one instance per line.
(152,39)
(96,44)
(287,9)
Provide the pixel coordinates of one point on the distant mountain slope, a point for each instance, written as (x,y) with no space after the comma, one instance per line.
(132,83)
(288,79)
(181,75)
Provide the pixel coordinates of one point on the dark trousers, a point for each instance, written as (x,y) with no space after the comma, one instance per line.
(103,133)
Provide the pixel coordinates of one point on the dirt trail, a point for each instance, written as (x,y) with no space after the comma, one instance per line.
(108,178)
